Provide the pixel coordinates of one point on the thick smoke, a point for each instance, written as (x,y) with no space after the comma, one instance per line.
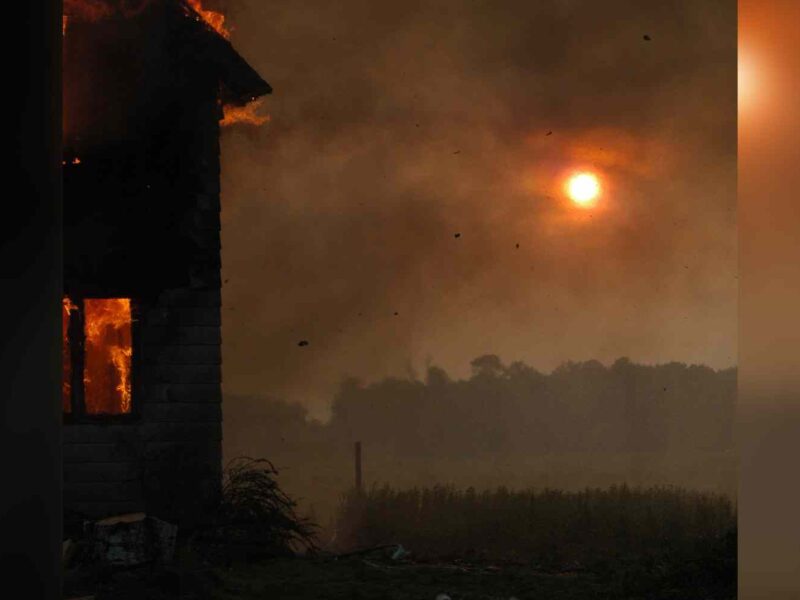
(396,126)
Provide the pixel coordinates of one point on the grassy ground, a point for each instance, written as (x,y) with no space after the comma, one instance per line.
(618,543)
(549,528)
(318,479)
(367,579)
(710,575)
(360,578)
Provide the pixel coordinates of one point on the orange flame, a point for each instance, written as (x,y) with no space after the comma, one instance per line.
(108,352)
(96,10)
(66,355)
(215,20)
(246,115)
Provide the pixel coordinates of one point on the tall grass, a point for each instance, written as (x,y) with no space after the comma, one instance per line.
(548,527)
(255,518)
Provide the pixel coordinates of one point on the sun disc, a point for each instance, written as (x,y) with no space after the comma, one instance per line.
(583,189)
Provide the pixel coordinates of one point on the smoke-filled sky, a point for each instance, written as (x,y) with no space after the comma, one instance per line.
(397,125)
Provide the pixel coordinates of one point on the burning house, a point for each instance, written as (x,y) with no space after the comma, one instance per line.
(146,87)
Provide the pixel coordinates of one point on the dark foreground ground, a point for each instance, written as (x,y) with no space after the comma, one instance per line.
(440,543)
(370,580)
(370,577)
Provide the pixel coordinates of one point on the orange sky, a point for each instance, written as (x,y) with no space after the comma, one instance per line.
(769,210)
(769,376)
(394,127)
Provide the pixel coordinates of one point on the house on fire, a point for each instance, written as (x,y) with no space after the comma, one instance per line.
(144,93)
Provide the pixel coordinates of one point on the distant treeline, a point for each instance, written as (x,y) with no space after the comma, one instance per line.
(579,407)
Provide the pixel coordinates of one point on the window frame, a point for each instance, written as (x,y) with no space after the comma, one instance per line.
(75,330)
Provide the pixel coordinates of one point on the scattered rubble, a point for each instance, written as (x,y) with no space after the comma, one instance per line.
(131,539)
(399,553)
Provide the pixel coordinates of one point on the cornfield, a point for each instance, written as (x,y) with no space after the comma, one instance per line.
(550,528)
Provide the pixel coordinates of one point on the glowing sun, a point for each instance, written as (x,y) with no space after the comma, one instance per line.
(751,81)
(583,189)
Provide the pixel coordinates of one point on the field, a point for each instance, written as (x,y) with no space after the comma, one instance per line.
(370,580)
(365,579)
(549,529)
(616,543)
(319,479)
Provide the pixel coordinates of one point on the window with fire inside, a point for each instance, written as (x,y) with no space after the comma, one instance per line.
(97,356)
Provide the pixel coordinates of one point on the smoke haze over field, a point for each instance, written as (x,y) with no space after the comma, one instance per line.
(396,126)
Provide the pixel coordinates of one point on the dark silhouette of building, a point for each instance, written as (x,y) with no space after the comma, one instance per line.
(144,93)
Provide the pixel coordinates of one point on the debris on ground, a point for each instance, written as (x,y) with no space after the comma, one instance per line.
(131,539)
(399,553)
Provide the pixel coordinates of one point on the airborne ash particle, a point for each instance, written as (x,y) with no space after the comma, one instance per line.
(302,343)
(458,235)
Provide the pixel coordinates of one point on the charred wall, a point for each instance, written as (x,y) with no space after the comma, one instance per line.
(169,456)
(143,99)
(170,451)
(142,220)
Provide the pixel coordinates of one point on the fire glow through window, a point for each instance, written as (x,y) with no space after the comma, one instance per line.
(105,359)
